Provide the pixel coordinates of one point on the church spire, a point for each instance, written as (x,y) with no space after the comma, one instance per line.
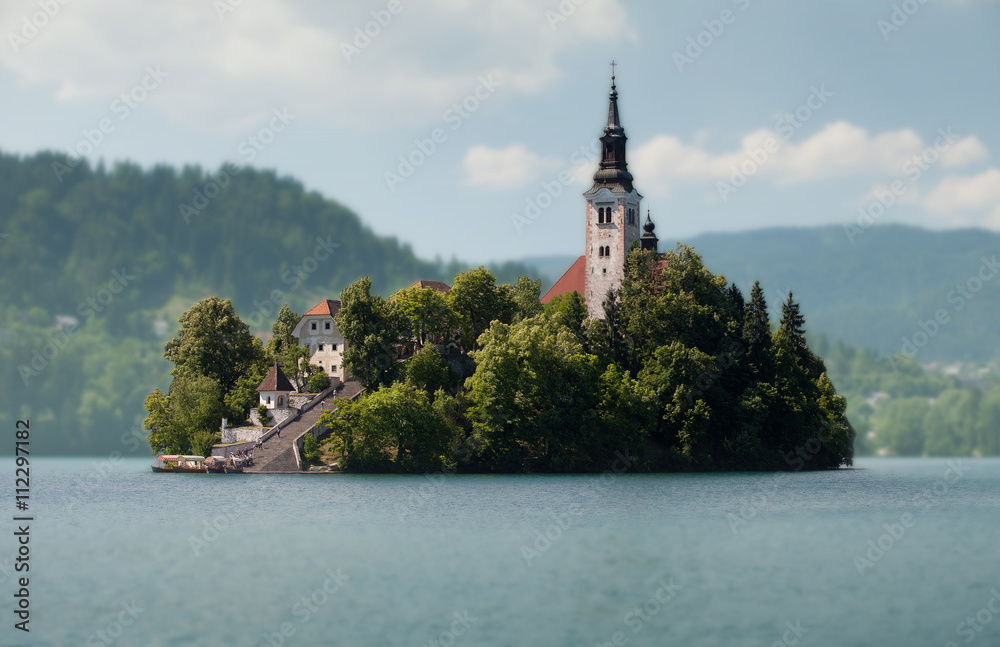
(614,119)
(613,171)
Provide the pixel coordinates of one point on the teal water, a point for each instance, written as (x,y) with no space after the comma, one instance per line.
(463,559)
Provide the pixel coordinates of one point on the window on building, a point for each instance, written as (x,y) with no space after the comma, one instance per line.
(607,251)
(319,347)
(269,399)
(312,326)
(600,252)
(333,369)
(333,347)
(327,325)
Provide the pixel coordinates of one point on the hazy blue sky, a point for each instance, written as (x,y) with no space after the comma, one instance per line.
(705,87)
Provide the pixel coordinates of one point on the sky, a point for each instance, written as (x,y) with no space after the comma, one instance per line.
(468,128)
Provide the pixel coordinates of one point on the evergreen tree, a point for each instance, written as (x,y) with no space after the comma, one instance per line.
(757,334)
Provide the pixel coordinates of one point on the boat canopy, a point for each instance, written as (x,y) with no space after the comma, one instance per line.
(179,457)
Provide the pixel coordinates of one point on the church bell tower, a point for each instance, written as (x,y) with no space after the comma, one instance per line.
(612,215)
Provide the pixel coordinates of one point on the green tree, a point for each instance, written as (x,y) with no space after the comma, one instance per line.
(282,338)
(244,395)
(757,334)
(372,327)
(478,301)
(165,435)
(427,371)
(534,397)
(192,409)
(319,382)
(526,294)
(393,429)
(215,343)
(571,307)
(427,312)
(310,449)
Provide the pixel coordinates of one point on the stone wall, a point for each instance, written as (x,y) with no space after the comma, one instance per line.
(242,434)
(278,416)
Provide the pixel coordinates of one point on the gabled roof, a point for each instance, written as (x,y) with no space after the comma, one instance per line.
(571,281)
(325,307)
(275,381)
(437,286)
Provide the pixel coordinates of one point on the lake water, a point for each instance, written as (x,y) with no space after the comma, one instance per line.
(130,557)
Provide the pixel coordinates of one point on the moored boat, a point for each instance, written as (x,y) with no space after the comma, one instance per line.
(180,463)
(215,464)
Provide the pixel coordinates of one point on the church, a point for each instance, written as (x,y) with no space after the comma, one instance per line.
(612,215)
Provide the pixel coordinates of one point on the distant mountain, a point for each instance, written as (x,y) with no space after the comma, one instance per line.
(888,285)
(870,293)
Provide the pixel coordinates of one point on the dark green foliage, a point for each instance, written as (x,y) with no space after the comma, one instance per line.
(478,301)
(217,367)
(319,382)
(429,316)
(214,342)
(202,441)
(679,365)
(571,308)
(372,327)
(526,294)
(244,395)
(282,339)
(310,449)
(393,429)
(427,371)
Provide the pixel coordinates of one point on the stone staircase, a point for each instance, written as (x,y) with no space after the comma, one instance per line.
(277,454)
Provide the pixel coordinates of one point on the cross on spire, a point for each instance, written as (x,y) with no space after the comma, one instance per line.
(613,66)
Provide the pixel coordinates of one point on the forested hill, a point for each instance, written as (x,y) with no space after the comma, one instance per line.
(879,289)
(126,250)
(65,235)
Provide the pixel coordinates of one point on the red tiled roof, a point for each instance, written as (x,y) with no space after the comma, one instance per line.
(325,307)
(571,281)
(275,381)
(437,286)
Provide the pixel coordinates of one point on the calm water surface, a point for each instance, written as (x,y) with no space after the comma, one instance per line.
(736,559)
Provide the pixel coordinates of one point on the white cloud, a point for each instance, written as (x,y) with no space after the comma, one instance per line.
(840,149)
(971,200)
(226,72)
(499,169)
(964,152)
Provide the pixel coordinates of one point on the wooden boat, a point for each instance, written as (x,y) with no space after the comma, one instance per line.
(215,464)
(180,463)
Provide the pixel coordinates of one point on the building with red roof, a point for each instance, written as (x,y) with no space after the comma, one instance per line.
(612,215)
(318,330)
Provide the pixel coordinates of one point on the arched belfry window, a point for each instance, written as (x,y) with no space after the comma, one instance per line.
(600,252)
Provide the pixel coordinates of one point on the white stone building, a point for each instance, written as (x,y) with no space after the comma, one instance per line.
(318,330)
